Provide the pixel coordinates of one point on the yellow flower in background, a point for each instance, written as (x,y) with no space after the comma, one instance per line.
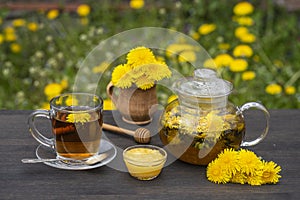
(45,106)
(238,65)
(224,46)
(100,68)
(9,34)
(240,31)
(210,63)
(64,83)
(205,29)
(195,35)
(18,22)
(136,4)
(83,10)
(32,26)
(108,105)
(248,38)
(15,48)
(1,38)
(223,60)
(242,51)
(243,8)
(273,89)
(53,89)
(140,56)
(71,101)
(187,56)
(290,90)
(52,14)
(248,75)
(244,21)
(176,48)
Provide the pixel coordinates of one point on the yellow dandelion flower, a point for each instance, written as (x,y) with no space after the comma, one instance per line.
(71,101)
(53,89)
(32,26)
(242,51)
(239,178)
(244,21)
(18,22)
(243,8)
(175,49)
(195,35)
(100,68)
(224,46)
(216,174)
(136,4)
(248,161)
(187,56)
(273,89)
(1,38)
(270,172)
(290,90)
(223,60)
(15,48)
(52,14)
(45,106)
(9,33)
(238,65)
(144,82)
(121,77)
(205,29)
(248,38)
(210,63)
(8,30)
(140,56)
(248,75)
(108,104)
(64,83)
(254,179)
(229,160)
(172,98)
(240,31)
(83,10)
(78,117)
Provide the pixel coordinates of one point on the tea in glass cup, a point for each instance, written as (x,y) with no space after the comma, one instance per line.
(76,125)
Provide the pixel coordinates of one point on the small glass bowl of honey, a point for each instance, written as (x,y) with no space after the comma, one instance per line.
(144,162)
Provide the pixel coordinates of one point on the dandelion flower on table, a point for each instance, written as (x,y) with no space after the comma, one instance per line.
(216,174)
(248,161)
(229,161)
(270,172)
(254,179)
(239,177)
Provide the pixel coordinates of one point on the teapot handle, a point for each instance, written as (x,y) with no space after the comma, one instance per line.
(258,106)
(109,91)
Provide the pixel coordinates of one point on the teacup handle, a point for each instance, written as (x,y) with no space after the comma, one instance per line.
(109,91)
(258,106)
(35,132)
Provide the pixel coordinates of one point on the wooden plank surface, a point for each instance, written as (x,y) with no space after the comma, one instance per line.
(178,180)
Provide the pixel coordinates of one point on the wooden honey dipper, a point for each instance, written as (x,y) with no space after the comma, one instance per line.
(140,135)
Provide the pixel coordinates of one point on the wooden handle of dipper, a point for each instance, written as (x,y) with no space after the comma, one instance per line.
(141,135)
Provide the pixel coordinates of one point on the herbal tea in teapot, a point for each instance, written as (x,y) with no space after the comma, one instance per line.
(201,123)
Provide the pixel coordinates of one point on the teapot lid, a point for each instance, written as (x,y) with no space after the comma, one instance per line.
(205,84)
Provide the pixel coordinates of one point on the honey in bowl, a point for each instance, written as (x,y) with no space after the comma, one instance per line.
(144,162)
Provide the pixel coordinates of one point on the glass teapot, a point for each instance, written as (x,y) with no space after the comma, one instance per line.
(201,122)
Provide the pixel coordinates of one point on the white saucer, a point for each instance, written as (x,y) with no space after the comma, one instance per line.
(105,146)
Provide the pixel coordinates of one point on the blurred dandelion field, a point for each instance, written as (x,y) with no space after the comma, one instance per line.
(254,44)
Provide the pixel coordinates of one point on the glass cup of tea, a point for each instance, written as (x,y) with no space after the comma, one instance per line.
(76,120)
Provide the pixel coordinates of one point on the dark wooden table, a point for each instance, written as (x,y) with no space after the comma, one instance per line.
(178,180)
